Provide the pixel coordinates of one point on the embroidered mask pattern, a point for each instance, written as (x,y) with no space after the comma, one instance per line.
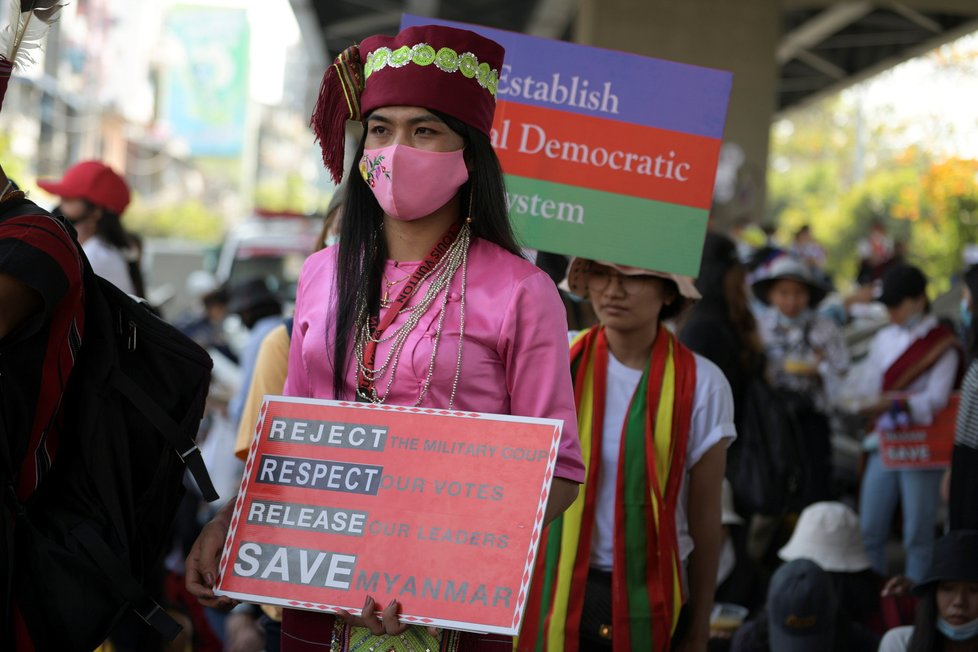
(372,168)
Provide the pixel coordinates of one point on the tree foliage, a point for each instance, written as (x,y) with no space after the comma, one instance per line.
(190,219)
(838,170)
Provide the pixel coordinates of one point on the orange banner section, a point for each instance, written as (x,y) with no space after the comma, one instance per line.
(607,155)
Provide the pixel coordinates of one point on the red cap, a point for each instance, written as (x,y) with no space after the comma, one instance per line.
(94,182)
(453,71)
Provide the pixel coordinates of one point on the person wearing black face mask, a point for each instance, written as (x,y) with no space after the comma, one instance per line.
(93,198)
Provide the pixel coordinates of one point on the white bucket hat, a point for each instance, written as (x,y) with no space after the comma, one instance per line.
(828,533)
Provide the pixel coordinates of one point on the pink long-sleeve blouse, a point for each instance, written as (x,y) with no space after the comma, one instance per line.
(515,358)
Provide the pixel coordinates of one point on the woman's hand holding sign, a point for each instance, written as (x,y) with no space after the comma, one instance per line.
(204,559)
(386,623)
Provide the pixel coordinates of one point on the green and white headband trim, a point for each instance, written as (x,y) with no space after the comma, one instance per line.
(445,59)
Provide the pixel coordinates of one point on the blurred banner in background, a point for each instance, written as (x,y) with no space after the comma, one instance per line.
(207,83)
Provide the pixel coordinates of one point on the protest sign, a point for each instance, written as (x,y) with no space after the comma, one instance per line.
(922,447)
(439,510)
(607,155)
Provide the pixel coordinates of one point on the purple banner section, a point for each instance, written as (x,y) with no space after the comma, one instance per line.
(606,83)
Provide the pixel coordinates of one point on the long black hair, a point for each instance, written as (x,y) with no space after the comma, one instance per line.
(925,636)
(110,229)
(721,282)
(363,250)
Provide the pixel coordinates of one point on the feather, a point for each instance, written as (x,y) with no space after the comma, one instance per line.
(29,24)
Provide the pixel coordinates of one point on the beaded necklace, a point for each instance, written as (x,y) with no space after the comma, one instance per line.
(368,337)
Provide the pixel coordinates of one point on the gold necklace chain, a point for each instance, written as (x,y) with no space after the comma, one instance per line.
(443,272)
(386,301)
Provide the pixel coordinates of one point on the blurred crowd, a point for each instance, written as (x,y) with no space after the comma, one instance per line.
(815,525)
(789,457)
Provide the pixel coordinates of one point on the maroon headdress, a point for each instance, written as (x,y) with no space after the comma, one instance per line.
(450,70)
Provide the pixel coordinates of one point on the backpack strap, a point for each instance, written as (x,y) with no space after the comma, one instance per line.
(125,585)
(185,447)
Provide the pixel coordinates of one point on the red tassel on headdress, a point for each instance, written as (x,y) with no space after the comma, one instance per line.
(339,101)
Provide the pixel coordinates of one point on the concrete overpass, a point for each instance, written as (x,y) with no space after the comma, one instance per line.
(783,53)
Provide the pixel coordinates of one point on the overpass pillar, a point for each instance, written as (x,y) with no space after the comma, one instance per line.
(740,36)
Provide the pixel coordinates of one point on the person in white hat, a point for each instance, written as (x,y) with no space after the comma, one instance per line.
(806,358)
(828,533)
(828,536)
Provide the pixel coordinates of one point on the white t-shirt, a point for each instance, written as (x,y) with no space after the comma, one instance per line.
(109,263)
(711,422)
(926,395)
(896,640)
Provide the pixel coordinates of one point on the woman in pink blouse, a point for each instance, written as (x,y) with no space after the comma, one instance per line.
(426,301)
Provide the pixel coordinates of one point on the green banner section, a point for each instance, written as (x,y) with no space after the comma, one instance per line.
(606,226)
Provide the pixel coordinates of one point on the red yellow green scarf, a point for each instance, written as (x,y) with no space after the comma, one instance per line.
(647,591)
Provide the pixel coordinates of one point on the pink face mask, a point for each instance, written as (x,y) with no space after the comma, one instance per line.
(411,183)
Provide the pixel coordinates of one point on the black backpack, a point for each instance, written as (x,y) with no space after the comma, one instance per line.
(766,464)
(92,536)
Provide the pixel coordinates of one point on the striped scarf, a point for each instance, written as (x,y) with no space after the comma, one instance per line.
(922,354)
(647,591)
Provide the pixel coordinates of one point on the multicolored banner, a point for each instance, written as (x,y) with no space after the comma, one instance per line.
(607,155)
(441,511)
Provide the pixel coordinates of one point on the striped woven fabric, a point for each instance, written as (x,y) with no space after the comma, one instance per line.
(966,431)
(646,575)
